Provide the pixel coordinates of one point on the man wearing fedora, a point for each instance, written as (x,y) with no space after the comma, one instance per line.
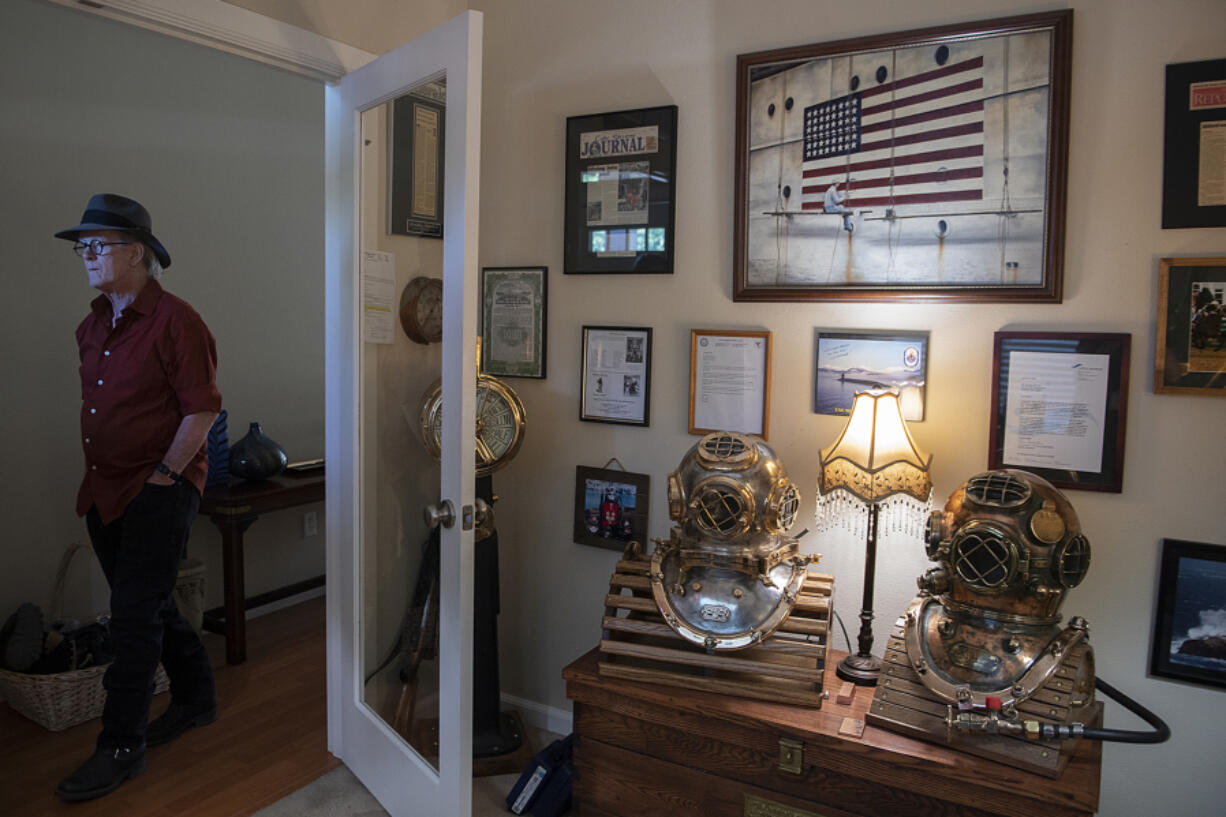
(148,371)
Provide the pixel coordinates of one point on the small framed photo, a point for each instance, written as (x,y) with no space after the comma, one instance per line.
(616,375)
(1187,642)
(1193,173)
(850,362)
(1060,406)
(610,507)
(621,191)
(1190,357)
(926,165)
(730,381)
(514,314)
(415,191)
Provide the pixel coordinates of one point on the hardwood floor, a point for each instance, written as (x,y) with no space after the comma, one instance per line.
(271,738)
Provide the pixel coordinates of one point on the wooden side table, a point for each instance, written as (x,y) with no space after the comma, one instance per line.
(233,508)
(646,749)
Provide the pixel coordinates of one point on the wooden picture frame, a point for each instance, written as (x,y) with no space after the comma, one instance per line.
(1193,176)
(611,507)
(621,192)
(1191,581)
(1060,406)
(1190,344)
(949,147)
(615,375)
(514,321)
(846,362)
(730,381)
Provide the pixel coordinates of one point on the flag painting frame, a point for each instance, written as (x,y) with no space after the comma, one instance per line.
(925,165)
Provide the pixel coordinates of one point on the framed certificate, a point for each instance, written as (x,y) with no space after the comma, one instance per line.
(616,375)
(1060,406)
(621,191)
(730,381)
(513,320)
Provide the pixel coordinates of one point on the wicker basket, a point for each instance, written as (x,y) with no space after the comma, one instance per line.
(63,699)
(60,700)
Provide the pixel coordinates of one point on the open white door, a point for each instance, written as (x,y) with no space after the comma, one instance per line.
(402,723)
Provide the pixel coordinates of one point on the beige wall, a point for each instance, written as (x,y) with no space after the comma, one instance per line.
(549,59)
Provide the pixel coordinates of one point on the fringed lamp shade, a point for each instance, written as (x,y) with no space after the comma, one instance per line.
(873,460)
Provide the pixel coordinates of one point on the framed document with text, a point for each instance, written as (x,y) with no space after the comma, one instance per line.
(1060,407)
(514,310)
(415,188)
(616,375)
(730,381)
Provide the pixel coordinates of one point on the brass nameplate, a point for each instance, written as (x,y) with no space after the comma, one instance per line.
(758,807)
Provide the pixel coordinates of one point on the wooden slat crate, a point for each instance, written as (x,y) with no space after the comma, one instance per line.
(636,644)
(902,703)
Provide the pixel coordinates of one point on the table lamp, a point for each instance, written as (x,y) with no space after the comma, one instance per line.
(874,463)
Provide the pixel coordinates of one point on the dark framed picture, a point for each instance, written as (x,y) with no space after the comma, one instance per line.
(1194,145)
(730,381)
(415,190)
(621,191)
(616,375)
(1188,641)
(1190,353)
(850,362)
(514,320)
(610,507)
(1060,406)
(923,165)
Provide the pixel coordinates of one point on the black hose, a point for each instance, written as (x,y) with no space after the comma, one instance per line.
(1161,732)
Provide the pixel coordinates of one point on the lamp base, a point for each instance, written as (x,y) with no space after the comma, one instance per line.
(861,670)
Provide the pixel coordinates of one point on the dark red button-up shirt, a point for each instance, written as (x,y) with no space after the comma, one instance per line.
(138,381)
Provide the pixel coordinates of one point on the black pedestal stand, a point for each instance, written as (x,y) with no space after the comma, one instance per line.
(863,668)
(494,732)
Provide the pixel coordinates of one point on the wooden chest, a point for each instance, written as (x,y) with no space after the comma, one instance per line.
(643,750)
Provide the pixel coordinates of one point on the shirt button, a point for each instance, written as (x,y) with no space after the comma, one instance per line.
(93,411)
(93,468)
(87,439)
(107,353)
(99,382)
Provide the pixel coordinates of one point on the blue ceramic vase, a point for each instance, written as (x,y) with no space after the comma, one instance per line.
(256,456)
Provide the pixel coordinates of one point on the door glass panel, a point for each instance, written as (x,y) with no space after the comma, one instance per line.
(401,305)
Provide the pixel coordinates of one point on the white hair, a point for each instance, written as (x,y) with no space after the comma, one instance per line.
(154,267)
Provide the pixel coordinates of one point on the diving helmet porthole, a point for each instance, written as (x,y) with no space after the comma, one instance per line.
(729,574)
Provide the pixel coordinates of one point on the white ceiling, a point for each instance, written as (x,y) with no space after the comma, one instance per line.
(377,26)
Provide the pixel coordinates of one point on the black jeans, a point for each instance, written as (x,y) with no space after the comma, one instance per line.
(139,553)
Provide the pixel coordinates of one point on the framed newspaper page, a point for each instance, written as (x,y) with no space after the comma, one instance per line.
(1060,406)
(616,375)
(514,312)
(1194,145)
(924,165)
(621,192)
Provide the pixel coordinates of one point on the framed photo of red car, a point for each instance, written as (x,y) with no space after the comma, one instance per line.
(610,507)
(1190,353)
(925,165)
(1060,406)
(1188,644)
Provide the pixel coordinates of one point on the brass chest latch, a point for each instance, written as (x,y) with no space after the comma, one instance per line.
(791,755)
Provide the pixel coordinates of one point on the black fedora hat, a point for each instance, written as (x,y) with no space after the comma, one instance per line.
(108,211)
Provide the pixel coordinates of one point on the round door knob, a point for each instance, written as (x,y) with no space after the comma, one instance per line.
(440,514)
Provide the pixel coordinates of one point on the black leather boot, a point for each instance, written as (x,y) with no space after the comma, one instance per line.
(177,719)
(102,773)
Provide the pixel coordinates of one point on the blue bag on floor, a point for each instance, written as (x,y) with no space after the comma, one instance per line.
(544,788)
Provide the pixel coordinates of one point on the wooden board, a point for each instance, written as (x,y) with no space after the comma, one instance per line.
(902,703)
(789,666)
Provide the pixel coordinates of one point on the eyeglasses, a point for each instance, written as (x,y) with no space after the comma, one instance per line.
(95,246)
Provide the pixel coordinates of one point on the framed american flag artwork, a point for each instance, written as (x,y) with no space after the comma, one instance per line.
(924,165)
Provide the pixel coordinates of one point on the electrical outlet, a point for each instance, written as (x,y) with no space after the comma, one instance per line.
(310,524)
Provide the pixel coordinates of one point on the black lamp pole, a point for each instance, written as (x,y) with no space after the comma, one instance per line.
(863,668)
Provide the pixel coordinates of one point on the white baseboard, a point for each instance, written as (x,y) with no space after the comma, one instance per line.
(559,721)
(288,601)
